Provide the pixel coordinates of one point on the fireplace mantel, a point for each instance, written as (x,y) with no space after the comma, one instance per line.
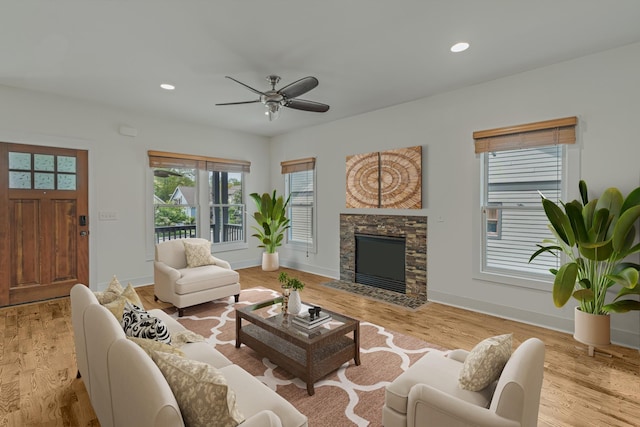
(412,228)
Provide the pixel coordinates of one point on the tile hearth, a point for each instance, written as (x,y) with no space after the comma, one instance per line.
(384,295)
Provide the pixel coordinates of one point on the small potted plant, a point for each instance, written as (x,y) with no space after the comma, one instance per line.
(294,285)
(272,219)
(595,236)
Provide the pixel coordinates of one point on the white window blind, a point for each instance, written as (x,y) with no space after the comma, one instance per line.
(519,163)
(300,188)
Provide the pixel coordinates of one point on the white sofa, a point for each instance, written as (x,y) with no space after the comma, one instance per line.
(184,287)
(126,388)
(427,394)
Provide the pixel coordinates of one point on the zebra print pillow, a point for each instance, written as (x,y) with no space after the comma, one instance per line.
(136,322)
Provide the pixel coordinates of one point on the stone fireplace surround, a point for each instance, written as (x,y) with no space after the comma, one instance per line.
(412,228)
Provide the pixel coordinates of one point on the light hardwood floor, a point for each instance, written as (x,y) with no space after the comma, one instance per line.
(37,361)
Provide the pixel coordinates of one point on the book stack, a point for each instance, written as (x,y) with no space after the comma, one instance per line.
(304,320)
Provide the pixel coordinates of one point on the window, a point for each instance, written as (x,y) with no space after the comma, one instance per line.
(227,207)
(300,188)
(518,165)
(178,196)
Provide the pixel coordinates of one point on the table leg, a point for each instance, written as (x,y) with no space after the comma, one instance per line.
(238,327)
(310,389)
(356,340)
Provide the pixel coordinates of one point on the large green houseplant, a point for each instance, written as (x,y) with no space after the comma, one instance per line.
(596,236)
(271,216)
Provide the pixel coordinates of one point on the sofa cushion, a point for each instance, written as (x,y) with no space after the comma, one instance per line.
(205,277)
(198,254)
(149,345)
(436,370)
(201,391)
(253,391)
(138,323)
(485,362)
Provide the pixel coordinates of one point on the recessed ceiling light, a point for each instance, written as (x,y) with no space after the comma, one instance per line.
(167,86)
(460,47)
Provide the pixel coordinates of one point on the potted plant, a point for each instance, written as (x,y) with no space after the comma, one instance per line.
(273,222)
(294,285)
(595,236)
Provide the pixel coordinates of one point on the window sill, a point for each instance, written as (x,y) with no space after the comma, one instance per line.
(506,278)
(226,247)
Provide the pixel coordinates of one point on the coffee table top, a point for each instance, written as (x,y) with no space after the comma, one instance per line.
(268,314)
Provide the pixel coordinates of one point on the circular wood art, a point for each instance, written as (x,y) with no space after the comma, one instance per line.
(401,178)
(390,179)
(362,180)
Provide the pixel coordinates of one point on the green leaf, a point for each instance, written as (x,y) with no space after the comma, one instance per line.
(559,221)
(598,230)
(584,295)
(627,278)
(598,251)
(582,186)
(544,249)
(623,227)
(632,199)
(623,306)
(564,283)
(574,212)
(611,200)
(585,283)
(587,213)
(628,291)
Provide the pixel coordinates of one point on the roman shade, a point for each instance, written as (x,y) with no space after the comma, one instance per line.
(162,159)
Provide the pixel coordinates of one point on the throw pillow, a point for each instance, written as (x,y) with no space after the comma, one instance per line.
(201,391)
(180,338)
(136,322)
(149,345)
(485,362)
(112,292)
(132,296)
(116,307)
(198,254)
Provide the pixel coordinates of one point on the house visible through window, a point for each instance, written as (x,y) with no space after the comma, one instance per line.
(300,188)
(178,195)
(517,167)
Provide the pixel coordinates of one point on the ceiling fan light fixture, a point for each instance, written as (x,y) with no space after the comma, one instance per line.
(273,110)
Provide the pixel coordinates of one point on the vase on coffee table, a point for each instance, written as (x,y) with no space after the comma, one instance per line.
(295,304)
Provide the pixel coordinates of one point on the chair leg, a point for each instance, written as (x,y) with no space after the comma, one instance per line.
(180,312)
(236,297)
(78,374)
(155,298)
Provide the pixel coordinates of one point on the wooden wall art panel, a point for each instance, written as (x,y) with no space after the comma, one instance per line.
(388,179)
(362,180)
(401,178)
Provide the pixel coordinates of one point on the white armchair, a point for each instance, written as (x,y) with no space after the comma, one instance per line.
(427,394)
(185,286)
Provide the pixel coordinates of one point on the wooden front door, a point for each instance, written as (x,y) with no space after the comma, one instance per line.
(44,222)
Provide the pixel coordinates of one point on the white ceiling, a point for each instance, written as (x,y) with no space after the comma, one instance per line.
(367,54)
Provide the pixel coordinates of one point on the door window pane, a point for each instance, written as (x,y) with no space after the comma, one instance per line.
(43,181)
(43,162)
(20,161)
(20,180)
(66,164)
(66,182)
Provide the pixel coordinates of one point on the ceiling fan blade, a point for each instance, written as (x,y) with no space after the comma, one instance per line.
(303,104)
(256,91)
(299,87)
(241,102)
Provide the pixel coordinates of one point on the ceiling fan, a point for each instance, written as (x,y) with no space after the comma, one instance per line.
(284,97)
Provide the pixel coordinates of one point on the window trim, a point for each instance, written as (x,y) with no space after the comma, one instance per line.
(570,178)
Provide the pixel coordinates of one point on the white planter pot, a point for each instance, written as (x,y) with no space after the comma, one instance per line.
(592,329)
(295,305)
(270,262)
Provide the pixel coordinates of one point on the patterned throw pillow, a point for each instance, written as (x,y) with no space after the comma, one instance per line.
(485,363)
(149,346)
(201,391)
(112,292)
(138,323)
(198,254)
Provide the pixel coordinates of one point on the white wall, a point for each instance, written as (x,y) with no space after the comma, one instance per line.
(119,176)
(602,90)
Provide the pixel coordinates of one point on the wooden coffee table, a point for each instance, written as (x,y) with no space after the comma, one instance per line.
(308,354)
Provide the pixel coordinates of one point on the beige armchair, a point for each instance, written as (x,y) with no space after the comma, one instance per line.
(185,286)
(427,394)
